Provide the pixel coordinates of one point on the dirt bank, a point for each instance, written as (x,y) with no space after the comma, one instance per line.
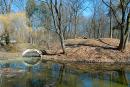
(83,51)
(8,55)
(90,50)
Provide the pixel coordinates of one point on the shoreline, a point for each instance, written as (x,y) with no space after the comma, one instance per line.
(80,61)
(63,59)
(82,51)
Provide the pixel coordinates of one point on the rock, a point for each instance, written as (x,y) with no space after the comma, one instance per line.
(84,37)
(32,53)
(32,60)
(10,73)
(43,52)
(32,56)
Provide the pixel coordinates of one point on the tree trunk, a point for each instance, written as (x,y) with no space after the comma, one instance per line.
(62,43)
(75,26)
(110,28)
(7,40)
(99,33)
(121,44)
(127,31)
(124,35)
(110,21)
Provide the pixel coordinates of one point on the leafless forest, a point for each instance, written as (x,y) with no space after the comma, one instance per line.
(46,22)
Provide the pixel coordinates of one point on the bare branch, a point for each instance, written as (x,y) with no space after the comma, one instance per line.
(112,11)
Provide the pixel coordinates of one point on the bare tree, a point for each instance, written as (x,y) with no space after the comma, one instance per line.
(110,12)
(56,12)
(5,6)
(124,11)
(77,7)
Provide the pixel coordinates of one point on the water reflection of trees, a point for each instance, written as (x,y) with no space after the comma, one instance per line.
(53,75)
(60,75)
(67,78)
(117,77)
(121,77)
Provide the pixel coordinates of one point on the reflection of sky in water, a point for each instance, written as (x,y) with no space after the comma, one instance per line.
(87,81)
(52,75)
(55,70)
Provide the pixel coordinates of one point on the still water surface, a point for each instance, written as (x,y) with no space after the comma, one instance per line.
(49,74)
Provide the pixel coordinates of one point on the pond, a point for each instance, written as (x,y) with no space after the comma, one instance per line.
(14,73)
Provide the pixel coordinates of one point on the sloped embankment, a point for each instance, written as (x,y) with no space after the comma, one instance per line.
(91,50)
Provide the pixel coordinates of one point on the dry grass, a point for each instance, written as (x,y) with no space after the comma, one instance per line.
(102,50)
(90,50)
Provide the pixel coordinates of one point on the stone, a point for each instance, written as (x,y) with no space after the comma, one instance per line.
(32,53)
(32,57)
(11,73)
(43,52)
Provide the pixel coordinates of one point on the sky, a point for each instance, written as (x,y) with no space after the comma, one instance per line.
(88,12)
(21,7)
